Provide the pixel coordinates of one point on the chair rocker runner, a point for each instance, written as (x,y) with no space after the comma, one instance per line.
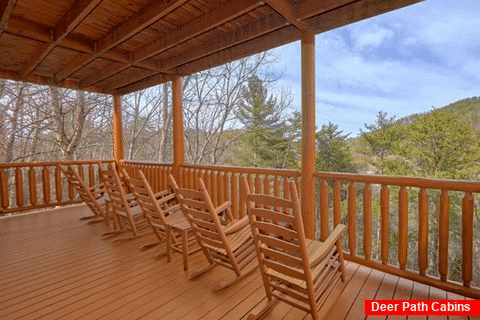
(127,213)
(165,218)
(299,271)
(227,243)
(94,197)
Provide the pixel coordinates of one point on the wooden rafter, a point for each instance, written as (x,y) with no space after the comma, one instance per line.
(142,84)
(228,29)
(6,9)
(210,20)
(12,75)
(79,10)
(147,16)
(134,76)
(289,11)
(259,44)
(250,31)
(350,13)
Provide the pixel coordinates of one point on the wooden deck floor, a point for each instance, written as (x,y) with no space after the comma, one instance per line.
(53,266)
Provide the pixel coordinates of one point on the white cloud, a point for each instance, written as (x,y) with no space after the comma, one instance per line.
(403,62)
(372,37)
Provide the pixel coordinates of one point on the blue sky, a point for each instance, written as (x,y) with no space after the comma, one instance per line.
(402,62)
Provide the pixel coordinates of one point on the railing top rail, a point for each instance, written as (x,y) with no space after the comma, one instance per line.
(133,162)
(50,163)
(428,183)
(283,172)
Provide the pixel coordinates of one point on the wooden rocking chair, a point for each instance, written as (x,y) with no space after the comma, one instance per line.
(127,213)
(165,218)
(94,197)
(225,242)
(299,271)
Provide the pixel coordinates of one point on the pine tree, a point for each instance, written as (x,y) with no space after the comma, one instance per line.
(263,117)
(333,151)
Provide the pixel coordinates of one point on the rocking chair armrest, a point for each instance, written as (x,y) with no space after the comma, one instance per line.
(226,206)
(327,245)
(236,225)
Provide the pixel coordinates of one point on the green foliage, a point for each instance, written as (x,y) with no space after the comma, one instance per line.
(333,150)
(442,145)
(380,143)
(270,139)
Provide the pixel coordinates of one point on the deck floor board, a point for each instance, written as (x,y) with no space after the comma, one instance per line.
(53,266)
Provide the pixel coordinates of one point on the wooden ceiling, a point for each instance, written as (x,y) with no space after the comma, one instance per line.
(120,46)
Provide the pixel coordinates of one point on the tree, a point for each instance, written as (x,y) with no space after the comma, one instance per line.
(333,150)
(265,125)
(380,141)
(211,98)
(443,146)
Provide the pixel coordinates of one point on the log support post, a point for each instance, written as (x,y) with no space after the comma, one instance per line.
(117,128)
(178,136)
(308,132)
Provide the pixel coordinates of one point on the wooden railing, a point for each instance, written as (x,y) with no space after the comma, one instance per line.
(156,173)
(35,185)
(399,225)
(374,202)
(223,183)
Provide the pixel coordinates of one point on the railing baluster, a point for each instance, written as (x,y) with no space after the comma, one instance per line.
(91,175)
(4,189)
(352,216)
(324,230)
(258,183)
(286,190)
(266,184)
(467,239)
(214,188)
(70,186)
(384,221)
(19,187)
(46,185)
(58,184)
(443,234)
(221,188)
(367,221)
(336,202)
(422,230)
(234,195)
(276,186)
(402,227)
(32,183)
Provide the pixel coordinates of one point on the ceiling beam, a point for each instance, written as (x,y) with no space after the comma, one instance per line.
(310,8)
(259,44)
(210,20)
(248,32)
(12,75)
(143,83)
(79,10)
(356,11)
(6,9)
(224,13)
(350,13)
(147,16)
(289,10)
(26,29)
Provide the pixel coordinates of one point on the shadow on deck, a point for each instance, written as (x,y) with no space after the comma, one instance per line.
(54,266)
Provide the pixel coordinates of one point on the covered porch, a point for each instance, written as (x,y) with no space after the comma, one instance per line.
(118,48)
(79,275)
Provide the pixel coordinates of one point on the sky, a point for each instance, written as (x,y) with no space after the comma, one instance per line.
(402,62)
